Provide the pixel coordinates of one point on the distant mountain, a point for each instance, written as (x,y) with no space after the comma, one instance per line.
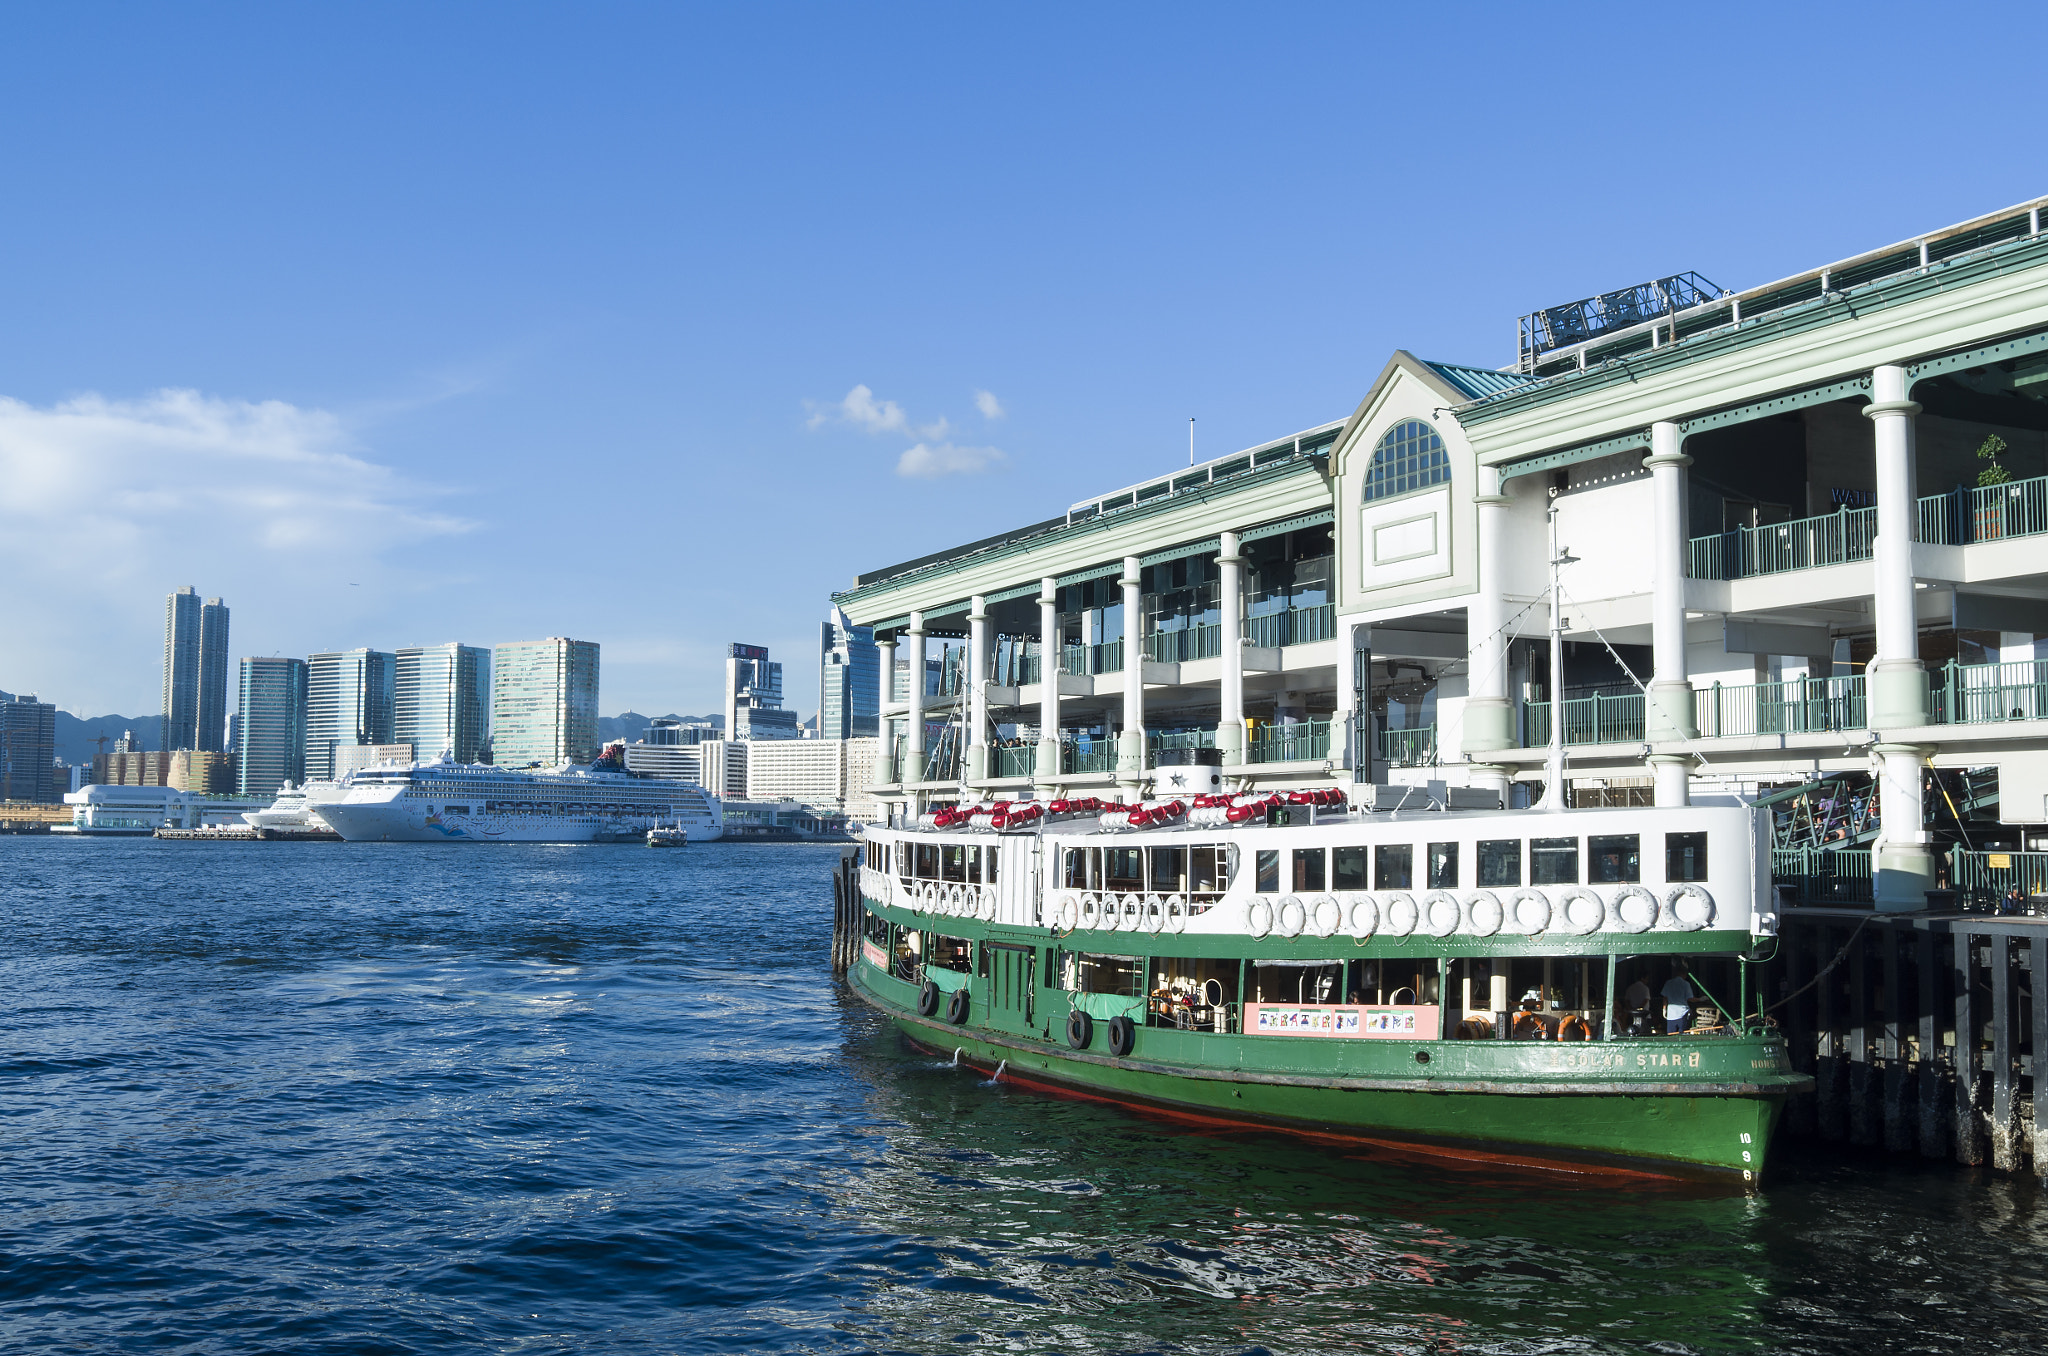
(75,734)
(631,725)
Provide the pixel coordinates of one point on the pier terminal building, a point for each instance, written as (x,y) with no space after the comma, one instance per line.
(1806,535)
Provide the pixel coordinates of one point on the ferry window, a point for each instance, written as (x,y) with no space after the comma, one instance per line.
(988,865)
(1500,862)
(974,866)
(953,863)
(1443,866)
(1553,861)
(1169,869)
(1393,868)
(1075,875)
(928,861)
(1206,874)
(1350,872)
(1615,857)
(1126,869)
(1308,868)
(1269,872)
(1685,857)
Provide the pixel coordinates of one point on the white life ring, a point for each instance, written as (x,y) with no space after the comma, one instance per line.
(1672,918)
(1258,919)
(928,898)
(1113,912)
(1176,915)
(987,912)
(1091,910)
(1531,911)
(1483,913)
(1400,915)
(1293,917)
(956,901)
(1441,913)
(1579,922)
(1643,917)
(1326,917)
(1068,916)
(1154,916)
(1363,915)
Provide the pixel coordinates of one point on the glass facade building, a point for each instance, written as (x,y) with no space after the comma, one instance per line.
(28,750)
(753,696)
(349,697)
(544,702)
(195,671)
(270,726)
(441,701)
(849,680)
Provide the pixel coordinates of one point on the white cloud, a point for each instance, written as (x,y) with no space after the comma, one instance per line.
(990,407)
(927,461)
(860,409)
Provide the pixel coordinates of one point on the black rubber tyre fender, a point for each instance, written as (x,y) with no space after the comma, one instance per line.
(1080,1029)
(928,999)
(1123,1033)
(957,1007)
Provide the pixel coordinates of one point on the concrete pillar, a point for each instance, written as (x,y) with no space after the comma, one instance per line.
(977,689)
(1668,707)
(1230,613)
(885,759)
(1489,721)
(1344,750)
(1895,683)
(1130,745)
(913,719)
(1047,770)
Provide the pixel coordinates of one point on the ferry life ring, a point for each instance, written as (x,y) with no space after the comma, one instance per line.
(1670,916)
(1091,911)
(1153,919)
(1112,912)
(1134,913)
(1080,1029)
(1574,1028)
(1177,914)
(1621,917)
(1363,914)
(928,898)
(1529,912)
(1066,913)
(1528,1026)
(1123,1034)
(958,1006)
(1326,917)
(1258,919)
(987,911)
(1400,915)
(1579,911)
(1473,1029)
(1292,918)
(1441,913)
(1483,913)
(927,999)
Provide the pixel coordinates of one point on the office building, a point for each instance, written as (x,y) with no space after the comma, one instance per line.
(355,757)
(849,680)
(28,749)
(195,692)
(717,765)
(668,730)
(349,697)
(442,700)
(753,696)
(544,702)
(270,726)
(831,775)
(203,772)
(131,767)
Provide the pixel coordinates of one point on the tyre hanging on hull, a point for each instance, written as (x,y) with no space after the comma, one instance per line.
(1080,1029)
(928,999)
(1123,1034)
(957,1007)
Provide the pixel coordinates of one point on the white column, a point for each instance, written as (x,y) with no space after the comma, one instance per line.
(1230,613)
(1668,704)
(1130,744)
(977,691)
(1047,771)
(913,719)
(885,757)
(1343,722)
(1489,720)
(1895,683)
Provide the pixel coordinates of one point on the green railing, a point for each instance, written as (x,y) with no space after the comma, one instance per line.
(1304,741)
(1408,748)
(1797,706)
(1098,755)
(1296,626)
(1194,642)
(1178,739)
(1802,544)
(1983,878)
(1587,720)
(1839,876)
(1979,694)
(1013,761)
(2018,508)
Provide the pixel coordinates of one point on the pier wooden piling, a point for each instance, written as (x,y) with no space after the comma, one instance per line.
(846,911)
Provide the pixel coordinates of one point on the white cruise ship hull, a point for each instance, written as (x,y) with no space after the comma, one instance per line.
(403,823)
(452,803)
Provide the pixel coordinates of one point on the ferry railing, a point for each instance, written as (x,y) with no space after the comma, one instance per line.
(1596,719)
(1824,876)
(1177,647)
(1796,706)
(1408,748)
(1098,755)
(1295,626)
(1773,548)
(1982,879)
(1301,742)
(1980,694)
(1974,513)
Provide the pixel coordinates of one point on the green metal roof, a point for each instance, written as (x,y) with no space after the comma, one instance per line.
(1477,383)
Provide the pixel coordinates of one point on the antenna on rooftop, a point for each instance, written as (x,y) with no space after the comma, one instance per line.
(1191,440)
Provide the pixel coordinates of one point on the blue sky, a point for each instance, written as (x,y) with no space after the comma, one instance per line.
(403,324)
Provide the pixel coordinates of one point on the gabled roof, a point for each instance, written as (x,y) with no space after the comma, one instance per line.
(1478,382)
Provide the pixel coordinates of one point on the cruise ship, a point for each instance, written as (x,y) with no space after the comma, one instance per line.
(296,809)
(475,803)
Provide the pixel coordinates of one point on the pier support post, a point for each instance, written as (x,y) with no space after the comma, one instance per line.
(1897,683)
(1932,1104)
(913,717)
(1045,772)
(1230,617)
(1799,1040)
(1668,706)
(1829,1078)
(1898,1090)
(2037,981)
(2005,1060)
(977,690)
(1863,1125)
(1130,744)
(885,757)
(1489,716)
(1969,1146)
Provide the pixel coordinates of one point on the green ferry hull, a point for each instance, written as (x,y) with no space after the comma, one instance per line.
(1690,1109)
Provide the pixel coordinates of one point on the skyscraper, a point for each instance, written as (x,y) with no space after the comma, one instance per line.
(849,680)
(753,696)
(348,701)
(270,728)
(195,671)
(28,750)
(441,700)
(544,702)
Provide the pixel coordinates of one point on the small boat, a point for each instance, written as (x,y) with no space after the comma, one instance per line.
(674,835)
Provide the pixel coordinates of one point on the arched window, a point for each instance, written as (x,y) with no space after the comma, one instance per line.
(1410,456)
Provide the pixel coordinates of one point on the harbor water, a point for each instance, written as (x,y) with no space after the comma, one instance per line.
(364,1098)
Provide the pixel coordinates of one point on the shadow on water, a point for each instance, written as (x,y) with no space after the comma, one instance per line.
(351,1099)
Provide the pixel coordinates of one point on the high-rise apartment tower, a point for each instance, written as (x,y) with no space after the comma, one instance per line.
(195,671)
(544,702)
